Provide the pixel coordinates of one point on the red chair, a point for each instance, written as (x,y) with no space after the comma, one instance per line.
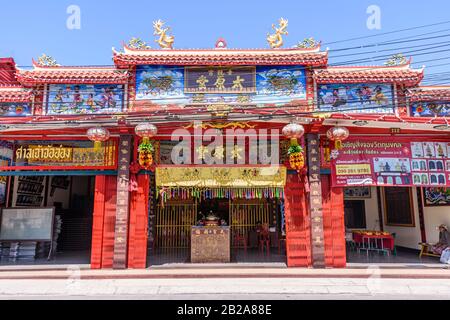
(264,239)
(240,239)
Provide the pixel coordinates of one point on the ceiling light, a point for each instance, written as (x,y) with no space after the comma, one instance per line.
(360,123)
(442,127)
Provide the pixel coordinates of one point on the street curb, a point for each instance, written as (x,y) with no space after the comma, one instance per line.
(228,276)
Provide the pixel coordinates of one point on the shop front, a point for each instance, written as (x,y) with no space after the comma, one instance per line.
(47,198)
(395,191)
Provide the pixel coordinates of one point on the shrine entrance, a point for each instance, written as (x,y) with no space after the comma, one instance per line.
(173,221)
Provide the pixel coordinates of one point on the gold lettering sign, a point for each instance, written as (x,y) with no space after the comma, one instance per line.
(43,154)
(200,80)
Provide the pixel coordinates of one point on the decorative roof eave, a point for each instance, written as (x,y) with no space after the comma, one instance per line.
(293,56)
(401,74)
(15,95)
(435,93)
(71,75)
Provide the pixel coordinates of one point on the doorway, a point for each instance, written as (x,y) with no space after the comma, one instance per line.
(69,198)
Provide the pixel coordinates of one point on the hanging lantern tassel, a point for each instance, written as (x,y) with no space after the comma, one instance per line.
(98,135)
(296,156)
(97,145)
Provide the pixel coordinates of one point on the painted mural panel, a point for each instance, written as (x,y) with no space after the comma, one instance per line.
(356,98)
(167,85)
(85,99)
(430,109)
(437,196)
(14,109)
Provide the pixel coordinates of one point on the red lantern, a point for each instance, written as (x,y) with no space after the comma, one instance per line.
(98,135)
(338,134)
(146,131)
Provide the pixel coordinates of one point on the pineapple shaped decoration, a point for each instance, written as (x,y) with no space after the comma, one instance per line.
(296,155)
(146,131)
(295,131)
(145,154)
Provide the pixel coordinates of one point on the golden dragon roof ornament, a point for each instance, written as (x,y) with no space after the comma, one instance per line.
(165,41)
(276,40)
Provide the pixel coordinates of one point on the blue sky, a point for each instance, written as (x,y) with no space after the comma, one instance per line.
(30,28)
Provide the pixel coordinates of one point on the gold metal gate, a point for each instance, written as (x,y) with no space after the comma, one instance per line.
(173,224)
(244,216)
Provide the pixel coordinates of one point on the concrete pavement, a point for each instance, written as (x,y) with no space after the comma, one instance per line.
(232,288)
(216,282)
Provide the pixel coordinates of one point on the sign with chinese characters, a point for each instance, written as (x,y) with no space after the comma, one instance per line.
(85,99)
(219,79)
(122,206)
(315,196)
(14,110)
(430,109)
(169,85)
(64,154)
(356,98)
(387,162)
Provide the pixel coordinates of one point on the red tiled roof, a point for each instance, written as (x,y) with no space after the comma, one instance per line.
(72,75)
(429,94)
(377,74)
(8,72)
(294,56)
(14,94)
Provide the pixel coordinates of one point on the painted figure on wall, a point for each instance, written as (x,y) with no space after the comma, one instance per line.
(14,110)
(356,98)
(85,99)
(430,109)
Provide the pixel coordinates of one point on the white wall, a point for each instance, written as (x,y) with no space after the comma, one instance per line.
(372,216)
(435,216)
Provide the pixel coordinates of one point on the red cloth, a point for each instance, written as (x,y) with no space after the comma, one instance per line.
(388,240)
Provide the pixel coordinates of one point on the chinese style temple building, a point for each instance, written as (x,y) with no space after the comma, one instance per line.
(220,155)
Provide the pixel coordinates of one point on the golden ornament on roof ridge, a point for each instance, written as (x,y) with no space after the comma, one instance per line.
(165,41)
(276,40)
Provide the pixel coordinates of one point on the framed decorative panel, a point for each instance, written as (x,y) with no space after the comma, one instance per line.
(436,197)
(430,109)
(15,109)
(356,98)
(85,99)
(167,85)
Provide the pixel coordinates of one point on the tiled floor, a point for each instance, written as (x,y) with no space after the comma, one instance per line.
(171,256)
(66,258)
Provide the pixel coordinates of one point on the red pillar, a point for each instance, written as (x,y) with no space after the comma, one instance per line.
(103,222)
(298,236)
(137,240)
(333,223)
